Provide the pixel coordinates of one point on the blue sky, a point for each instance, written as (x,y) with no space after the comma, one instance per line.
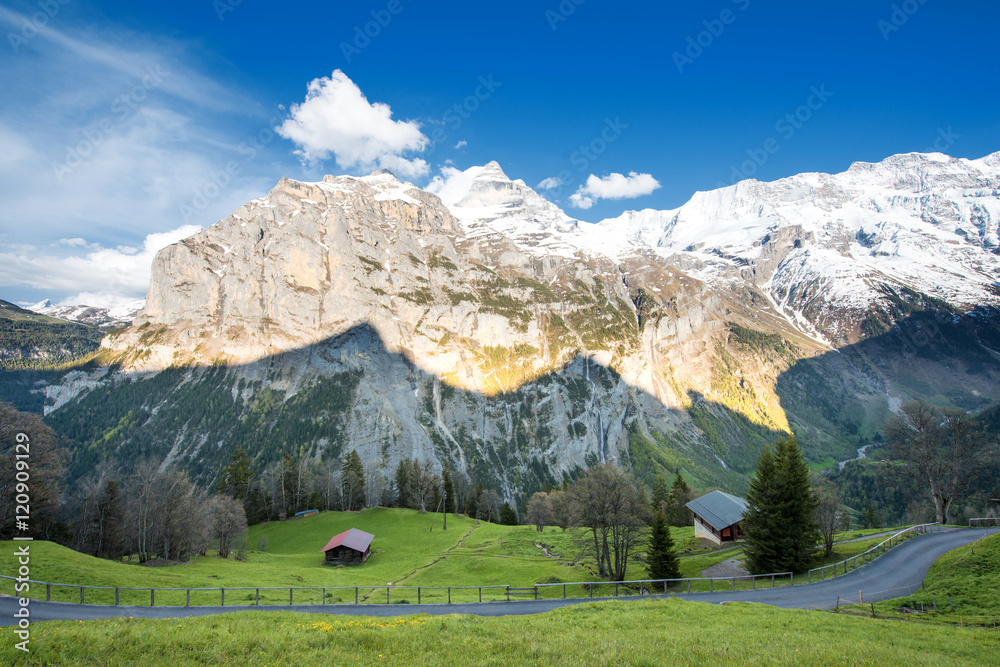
(126,125)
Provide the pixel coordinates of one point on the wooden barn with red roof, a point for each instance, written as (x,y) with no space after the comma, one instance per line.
(351,547)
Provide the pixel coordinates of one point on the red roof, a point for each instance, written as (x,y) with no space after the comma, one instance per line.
(355,539)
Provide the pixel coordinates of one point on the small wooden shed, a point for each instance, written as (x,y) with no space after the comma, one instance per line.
(717,516)
(351,547)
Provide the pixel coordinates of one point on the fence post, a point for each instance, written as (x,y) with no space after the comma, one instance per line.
(616,589)
(387,595)
(689,585)
(418,594)
(734,583)
(753,582)
(188,603)
(480,593)
(772,581)
(223,591)
(355,595)
(324,595)
(449,595)
(290,589)
(564,590)
(48,592)
(257,602)
(81,594)
(591,591)
(116,596)
(711,585)
(152,597)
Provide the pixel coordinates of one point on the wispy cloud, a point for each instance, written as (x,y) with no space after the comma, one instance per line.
(612,186)
(101,276)
(106,135)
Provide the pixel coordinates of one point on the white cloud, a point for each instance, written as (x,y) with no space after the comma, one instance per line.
(74,242)
(101,276)
(452,184)
(549,183)
(613,186)
(462,144)
(337,119)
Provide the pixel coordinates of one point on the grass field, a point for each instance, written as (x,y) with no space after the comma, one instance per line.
(648,632)
(406,552)
(638,633)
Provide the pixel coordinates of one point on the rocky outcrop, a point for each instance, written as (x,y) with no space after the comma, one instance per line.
(480,324)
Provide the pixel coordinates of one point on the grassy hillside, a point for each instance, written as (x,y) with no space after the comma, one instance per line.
(405,552)
(637,633)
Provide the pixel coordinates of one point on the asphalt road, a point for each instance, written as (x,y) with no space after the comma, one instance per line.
(893,575)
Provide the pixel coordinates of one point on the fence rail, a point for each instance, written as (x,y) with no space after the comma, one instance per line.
(848,564)
(313,595)
(984,521)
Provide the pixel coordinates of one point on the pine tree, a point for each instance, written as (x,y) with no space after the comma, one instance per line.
(352,475)
(661,554)
(403,483)
(759,518)
(449,489)
(779,525)
(679,496)
(235,479)
(660,494)
(507,515)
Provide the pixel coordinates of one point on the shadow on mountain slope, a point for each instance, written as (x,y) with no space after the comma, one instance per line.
(350,392)
(843,397)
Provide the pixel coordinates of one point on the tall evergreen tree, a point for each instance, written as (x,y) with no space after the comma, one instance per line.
(352,475)
(661,554)
(507,515)
(679,496)
(449,489)
(779,525)
(235,479)
(660,494)
(403,483)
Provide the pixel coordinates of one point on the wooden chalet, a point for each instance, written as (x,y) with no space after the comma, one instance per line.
(351,547)
(717,516)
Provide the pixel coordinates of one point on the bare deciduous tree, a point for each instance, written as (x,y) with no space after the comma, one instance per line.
(229,523)
(616,512)
(938,448)
(540,510)
(564,509)
(20,433)
(830,515)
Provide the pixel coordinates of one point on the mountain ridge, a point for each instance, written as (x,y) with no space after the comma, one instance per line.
(492,295)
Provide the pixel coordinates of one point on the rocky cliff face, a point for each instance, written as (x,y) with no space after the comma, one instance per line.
(482,325)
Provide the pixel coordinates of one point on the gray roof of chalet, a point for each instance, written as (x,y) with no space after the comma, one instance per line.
(718,509)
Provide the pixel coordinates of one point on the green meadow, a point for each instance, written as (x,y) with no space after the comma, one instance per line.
(407,552)
(649,632)
(410,550)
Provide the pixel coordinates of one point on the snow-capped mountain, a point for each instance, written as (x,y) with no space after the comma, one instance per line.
(120,314)
(476,322)
(924,222)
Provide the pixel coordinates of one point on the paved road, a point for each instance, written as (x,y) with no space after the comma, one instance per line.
(903,567)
